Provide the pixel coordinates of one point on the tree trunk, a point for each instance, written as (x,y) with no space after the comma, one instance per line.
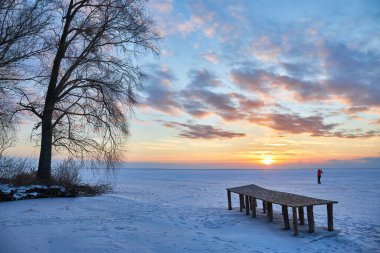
(44,164)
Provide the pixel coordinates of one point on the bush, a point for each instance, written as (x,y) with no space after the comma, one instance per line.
(67,173)
(87,190)
(21,172)
(17,171)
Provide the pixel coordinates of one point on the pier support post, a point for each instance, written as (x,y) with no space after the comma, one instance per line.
(253,206)
(264,206)
(270,211)
(241,201)
(301,215)
(229,200)
(310,218)
(286,217)
(295,228)
(330,221)
(246,205)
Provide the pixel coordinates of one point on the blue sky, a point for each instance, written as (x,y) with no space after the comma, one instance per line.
(239,83)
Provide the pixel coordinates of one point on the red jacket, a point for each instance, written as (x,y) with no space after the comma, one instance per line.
(319,173)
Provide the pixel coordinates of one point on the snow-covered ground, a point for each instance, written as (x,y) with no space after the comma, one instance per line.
(185,211)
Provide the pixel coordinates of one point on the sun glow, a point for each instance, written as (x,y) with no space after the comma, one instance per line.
(267,160)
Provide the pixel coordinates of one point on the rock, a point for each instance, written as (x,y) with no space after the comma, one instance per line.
(8,193)
(4,196)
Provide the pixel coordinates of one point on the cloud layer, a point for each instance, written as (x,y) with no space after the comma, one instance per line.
(297,73)
(197,131)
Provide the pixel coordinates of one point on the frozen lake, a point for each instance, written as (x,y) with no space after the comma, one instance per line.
(186,211)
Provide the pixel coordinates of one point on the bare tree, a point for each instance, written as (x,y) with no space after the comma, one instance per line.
(21,26)
(7,129)
(92,77)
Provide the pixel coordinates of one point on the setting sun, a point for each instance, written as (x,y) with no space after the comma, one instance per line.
(267,160)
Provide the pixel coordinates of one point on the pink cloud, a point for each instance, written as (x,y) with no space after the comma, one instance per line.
(356,109)
(198,131)
(163,6)
(211,57)
(196,22)
(265,82)
(265,50)
(292,123)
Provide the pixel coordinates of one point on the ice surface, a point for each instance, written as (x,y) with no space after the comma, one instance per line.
(186,211)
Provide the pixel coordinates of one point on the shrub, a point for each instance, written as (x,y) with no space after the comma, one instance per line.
(17,171)
(21,172)
(88,190)
(67,173)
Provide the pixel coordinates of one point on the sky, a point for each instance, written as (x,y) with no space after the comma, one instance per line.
(258,84)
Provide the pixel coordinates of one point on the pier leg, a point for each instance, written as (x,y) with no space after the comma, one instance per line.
(294,211)
(330,221)
(310,218)
(253,206)
(241,201)
(301,215)
(270,211)
(229,200)
(246,205)
(286,217)
(264,207)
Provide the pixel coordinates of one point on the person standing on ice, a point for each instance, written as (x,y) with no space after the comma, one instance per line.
(319,174)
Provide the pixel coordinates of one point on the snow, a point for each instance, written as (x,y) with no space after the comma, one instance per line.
(186,211)
(27,192)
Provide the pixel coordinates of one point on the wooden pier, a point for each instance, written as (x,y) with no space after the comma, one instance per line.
(249,194)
